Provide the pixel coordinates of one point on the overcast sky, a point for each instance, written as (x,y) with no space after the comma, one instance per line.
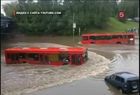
(5,2)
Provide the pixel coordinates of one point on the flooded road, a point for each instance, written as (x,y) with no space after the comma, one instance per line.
(24,78)
(87,79)
(123,58)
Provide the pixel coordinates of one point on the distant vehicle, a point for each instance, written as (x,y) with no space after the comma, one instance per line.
(108,38)
(125,81)
(129,19)
(47,56)
(136,19)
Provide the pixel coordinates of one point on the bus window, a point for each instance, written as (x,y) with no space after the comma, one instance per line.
(79,59)
(115,37)
(124,36)
(100,37)
(107,37)
(22,55)
(46,58)
(130,36)
(93,38)
(76,59)
(120,36)
(85,38)
(41,58)
(64,58)
(33,56)
(53,57)
(14,56)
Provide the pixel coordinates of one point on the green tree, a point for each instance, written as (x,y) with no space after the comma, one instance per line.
(87,14)
(130,7)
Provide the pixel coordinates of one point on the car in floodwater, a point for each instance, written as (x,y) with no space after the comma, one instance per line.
(126,82)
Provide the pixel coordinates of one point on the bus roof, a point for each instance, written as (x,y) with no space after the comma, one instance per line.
(107,34)
(70,50)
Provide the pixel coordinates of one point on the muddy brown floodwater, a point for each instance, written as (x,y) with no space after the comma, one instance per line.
(87,79)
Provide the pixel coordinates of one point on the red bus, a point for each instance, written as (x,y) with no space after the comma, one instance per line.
(116,38)
(49,56)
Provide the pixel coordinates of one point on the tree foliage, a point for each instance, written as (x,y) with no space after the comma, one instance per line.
(130,7)
(87,14)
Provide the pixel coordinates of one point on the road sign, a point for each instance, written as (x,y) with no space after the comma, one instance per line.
(74,25)
(121,14)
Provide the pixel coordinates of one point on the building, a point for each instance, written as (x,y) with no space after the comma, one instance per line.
(7,24)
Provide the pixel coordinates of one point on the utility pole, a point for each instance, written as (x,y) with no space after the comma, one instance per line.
(79,33)
(53,4)
(74,26)
(138,12)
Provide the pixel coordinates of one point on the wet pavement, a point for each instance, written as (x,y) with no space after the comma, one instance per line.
(87,79)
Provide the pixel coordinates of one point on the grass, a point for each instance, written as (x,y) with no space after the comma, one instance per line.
(115,25)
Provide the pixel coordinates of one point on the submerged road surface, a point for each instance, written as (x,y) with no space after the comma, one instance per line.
(122,57)
(87,79)
(23,79)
